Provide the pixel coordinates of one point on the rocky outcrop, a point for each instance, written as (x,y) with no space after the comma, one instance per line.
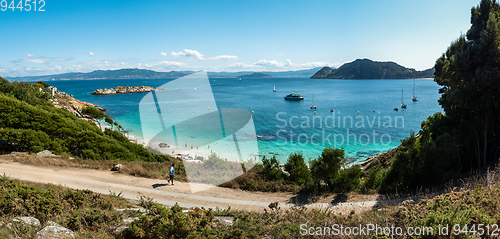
(53,232)
(28,221)
(68,102)
(118,167)
(125,90)
(45,154)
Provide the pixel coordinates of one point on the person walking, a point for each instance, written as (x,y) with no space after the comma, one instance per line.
(172,171)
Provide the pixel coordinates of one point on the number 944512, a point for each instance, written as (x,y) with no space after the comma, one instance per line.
(22,5)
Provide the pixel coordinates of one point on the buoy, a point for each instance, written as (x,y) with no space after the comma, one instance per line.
(403,109)
(252,111)
(208,107)
(314,112)
(358,112)
(194,88)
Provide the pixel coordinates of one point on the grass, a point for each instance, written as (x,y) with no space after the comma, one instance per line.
(92,215)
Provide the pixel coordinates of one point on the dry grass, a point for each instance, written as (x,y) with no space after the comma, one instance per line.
(153,170)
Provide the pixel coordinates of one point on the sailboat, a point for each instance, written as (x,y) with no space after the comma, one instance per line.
(313,106)
(414,98)
(274,88)
(403,105)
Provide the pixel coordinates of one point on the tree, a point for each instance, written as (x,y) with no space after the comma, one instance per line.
(271,168)
(326,167)
(469,72)
(297,169)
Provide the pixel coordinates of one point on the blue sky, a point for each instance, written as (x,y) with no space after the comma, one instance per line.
(82,36)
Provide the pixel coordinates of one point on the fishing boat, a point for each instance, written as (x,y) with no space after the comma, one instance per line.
(274,88)
(414,98)
(313,106)
(294,97)
(403,105)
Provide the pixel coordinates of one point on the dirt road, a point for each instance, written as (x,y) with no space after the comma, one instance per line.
(132,187)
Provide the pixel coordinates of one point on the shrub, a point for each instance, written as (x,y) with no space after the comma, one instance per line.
(327,166)
(297,168)
(347,180)
(271,169)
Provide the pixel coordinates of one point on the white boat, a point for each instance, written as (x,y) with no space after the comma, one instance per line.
(414,98)
(313,106)
(403,105)
(294,97)
(274,88)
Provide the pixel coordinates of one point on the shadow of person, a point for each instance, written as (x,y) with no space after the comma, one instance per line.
(156,185)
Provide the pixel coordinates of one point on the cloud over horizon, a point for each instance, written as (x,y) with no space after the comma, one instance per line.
(41,60)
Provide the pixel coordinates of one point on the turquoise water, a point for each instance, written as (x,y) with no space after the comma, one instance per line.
(283,126)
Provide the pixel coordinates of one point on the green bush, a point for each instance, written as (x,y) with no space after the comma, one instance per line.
(271,169)
(326,167)
(297,168)
(347,180)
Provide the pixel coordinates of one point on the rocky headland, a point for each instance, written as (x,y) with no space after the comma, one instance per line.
(68,102)
(125,90)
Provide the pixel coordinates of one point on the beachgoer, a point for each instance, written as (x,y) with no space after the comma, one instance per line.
(172,170)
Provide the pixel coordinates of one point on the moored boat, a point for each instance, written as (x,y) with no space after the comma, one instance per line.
(294,97)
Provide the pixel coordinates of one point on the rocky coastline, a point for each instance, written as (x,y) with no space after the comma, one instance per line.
(68,102)
(125,90)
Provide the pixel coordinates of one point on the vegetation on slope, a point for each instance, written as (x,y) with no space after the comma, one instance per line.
(91,215)
(28,122)
(368,69)
(467,136)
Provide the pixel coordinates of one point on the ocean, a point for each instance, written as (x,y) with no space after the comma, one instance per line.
(356,115)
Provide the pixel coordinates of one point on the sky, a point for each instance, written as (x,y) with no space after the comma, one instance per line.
(166,35)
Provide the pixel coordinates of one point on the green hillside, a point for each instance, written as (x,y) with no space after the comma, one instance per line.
(368,69)
(28,122)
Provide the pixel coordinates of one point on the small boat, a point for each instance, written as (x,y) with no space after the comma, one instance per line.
(274,88)
(294,97)
(313,106)
(403,105)
(396,109)
(414,98)
(331,110)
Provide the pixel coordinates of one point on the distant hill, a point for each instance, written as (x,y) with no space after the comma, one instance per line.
(256,75)
(106,74)
(368,69)
(149,74)
(277,74)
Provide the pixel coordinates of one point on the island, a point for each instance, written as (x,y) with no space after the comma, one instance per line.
(125,90)
(256,75)
(368,69)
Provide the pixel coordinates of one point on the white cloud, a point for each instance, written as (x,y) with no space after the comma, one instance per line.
(164,54)
(223,57)
(29,55)
(91,53)
(267,63)
(241,65)
(188,53)
(193,53)
(177,54)
(41,60)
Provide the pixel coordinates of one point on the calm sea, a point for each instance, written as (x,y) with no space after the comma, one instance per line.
(363,121)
